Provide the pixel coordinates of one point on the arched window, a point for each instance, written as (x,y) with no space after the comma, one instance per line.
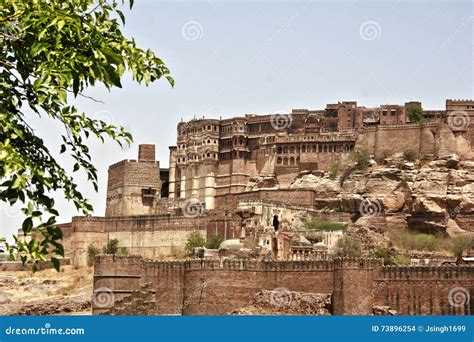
(303,148)
(292,161)
(280,150)
(285,161)
(278,160)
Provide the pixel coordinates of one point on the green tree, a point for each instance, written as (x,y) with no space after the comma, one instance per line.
(111,247)
(414,114)
(195,239)
(50,53)
(214,241)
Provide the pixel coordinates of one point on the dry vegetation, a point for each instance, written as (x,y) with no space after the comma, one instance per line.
(46,292)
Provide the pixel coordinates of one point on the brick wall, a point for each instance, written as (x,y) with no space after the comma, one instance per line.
(205,287)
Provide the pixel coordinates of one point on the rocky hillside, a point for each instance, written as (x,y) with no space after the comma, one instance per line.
(436,196)
(46,292)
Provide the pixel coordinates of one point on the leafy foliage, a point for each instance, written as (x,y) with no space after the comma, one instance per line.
(414,114)
(51,52)
(324,225)
(112,247)
(361,158)
(195,239)
(348,247)
(92,252)
(214,241)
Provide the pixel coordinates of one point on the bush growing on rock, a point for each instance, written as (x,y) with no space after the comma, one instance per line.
(348,247)
(410,155)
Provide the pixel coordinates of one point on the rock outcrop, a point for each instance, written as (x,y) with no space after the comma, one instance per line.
(437,196)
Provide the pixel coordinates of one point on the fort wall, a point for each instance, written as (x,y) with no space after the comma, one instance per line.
(216,287)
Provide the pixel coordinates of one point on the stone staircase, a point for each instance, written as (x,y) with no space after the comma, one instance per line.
(140,302)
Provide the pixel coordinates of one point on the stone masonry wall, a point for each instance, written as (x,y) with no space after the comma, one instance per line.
(204,287)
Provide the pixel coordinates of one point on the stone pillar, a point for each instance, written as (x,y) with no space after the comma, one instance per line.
(172,176)
(183,184)
(210,189)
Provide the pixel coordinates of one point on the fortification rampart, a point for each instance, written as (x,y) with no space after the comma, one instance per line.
(202,287)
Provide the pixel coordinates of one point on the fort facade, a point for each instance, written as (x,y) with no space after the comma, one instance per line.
(230,176)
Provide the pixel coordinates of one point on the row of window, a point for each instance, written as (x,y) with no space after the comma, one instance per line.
(313,148)
(204,142)
(288,161)
(204,156)
(196,130)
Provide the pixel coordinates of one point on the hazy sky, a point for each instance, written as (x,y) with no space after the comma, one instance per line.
(232,58)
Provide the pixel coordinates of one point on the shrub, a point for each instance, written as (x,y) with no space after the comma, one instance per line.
(123,251)
(214,242)
(411,240)
(334,170)
(459,244)
(382,253)
(361,158)
(414,114)
(325,225)
(348,247)
(401,260)
(92,251)
(410,155)
(195,239)
(111,247)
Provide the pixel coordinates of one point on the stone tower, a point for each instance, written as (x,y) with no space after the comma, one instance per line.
(134,185)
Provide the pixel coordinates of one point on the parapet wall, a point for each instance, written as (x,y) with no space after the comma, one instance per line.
(216,287)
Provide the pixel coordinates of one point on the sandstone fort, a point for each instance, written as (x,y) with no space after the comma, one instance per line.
(256,180)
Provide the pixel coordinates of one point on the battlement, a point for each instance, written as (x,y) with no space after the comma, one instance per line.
(390,273)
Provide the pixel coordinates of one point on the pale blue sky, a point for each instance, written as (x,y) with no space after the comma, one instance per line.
(263,57)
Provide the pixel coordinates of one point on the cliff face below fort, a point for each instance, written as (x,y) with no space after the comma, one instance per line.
(430,197)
